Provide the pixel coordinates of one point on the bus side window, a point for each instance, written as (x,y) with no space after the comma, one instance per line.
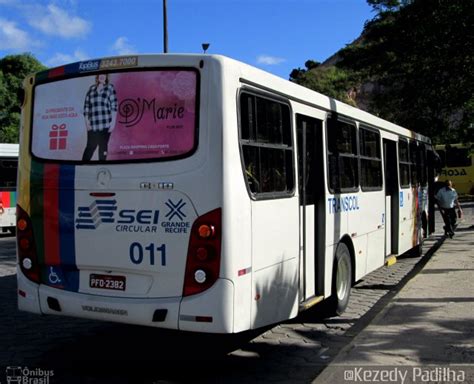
(342,156)
(370,159)
(265,137)
(404,163)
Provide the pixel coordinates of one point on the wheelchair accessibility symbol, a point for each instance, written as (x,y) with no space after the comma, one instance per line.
(53,276)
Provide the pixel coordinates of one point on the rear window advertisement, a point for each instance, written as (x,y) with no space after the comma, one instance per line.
(116,117)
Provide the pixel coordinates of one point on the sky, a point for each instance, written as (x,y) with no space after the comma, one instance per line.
(275,35)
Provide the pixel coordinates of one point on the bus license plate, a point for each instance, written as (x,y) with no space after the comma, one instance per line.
(116,283)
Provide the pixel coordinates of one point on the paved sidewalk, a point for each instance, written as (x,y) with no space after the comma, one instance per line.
(429,324)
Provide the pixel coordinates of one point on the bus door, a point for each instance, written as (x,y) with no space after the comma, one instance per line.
(391,197)
(312,212)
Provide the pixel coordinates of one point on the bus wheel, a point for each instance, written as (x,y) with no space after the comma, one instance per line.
(341,280)
(417,250)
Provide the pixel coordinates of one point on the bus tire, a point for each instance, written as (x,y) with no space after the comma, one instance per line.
(417,250)
(341,281)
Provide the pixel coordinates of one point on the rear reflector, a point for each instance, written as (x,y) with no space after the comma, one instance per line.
(198,319)
(243,272)
(204,319)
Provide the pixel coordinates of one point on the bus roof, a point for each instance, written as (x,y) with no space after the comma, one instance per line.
(315,99)
(248,75)
(9,150)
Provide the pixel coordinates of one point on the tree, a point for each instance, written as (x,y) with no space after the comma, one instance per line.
(412,65)
(13,69)
(296,74)
(387,5)
(328,80)
(420,54)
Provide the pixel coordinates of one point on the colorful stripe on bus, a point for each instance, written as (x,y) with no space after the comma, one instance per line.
(52,215)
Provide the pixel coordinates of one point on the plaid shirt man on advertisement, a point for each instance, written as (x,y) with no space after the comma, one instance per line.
(100,112)
(98,106)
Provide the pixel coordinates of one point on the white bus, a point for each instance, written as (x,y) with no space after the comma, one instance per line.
(198,193)
(8,173)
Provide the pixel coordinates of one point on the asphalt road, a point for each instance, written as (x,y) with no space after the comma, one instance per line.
(84,351)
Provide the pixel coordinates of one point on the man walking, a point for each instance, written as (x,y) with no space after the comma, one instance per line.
(447,199)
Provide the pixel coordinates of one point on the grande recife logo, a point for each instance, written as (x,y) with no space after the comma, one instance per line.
(175,210)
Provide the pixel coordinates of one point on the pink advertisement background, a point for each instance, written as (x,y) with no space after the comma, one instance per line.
(160,121)
(152,136)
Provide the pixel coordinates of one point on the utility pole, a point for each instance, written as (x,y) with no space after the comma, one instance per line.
(165,28)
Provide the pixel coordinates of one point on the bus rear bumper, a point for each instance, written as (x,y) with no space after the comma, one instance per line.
(152,312)
(210,311)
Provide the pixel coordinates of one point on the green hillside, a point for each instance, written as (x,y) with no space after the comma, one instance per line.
(412,64)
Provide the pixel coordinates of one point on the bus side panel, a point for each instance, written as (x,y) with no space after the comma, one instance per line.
(275,293)
(361,249)
(336,228)
(236,263)
(375,249)
(370,220)
(407,224)
(237,252)
(211,311)
(419,204)
(337,225)
(275,260)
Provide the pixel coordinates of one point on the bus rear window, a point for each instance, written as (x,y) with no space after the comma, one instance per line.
(122,116)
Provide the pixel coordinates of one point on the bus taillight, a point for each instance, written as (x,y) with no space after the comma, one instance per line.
(25,243)
(204,253)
